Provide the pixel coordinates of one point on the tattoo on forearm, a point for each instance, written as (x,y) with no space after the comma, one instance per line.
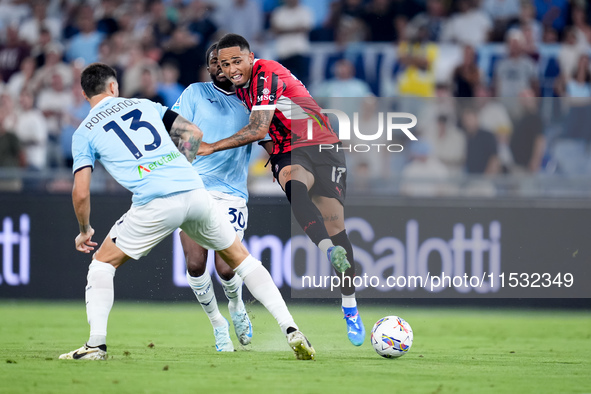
(331,218)
(189,148)
(248,134)
(84,228)
(182,131)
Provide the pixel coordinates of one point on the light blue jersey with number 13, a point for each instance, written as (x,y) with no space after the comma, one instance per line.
(128,137)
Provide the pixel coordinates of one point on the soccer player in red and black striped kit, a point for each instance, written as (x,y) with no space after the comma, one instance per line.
(314,181)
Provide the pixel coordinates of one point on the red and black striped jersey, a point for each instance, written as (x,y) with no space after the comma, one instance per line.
(297,120)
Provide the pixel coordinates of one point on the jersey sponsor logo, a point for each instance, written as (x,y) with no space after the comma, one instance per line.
(142,169)
(148,168)
(266,91)
(265,97)
(264,78)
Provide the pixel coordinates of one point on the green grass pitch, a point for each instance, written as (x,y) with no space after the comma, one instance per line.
(454,351)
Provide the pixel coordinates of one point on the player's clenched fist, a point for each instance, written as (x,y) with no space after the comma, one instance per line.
(205,149)
(84,243)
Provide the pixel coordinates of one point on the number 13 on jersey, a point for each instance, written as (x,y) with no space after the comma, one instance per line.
(135,125)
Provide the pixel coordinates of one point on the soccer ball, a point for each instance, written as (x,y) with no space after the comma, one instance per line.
(391,337)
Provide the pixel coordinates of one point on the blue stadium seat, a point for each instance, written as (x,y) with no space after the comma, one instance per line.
(375,83)
(552,68)
(491,66)
(549,75)
(329,66)
(359,66)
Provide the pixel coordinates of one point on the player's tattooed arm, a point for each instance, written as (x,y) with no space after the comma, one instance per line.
(255,130)
(187,136)
(84,228)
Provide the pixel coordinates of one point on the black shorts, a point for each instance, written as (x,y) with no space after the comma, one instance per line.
(328,167)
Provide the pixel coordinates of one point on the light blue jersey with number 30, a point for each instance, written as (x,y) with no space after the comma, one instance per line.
(219,114)
(128,137)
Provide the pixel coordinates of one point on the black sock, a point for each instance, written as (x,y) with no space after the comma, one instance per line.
(102,347)
(342,239)
(305,212)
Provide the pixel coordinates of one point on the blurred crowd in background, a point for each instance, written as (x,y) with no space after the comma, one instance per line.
(524,63)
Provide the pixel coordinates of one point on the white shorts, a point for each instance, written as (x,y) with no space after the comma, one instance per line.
(143,227)
(234,208)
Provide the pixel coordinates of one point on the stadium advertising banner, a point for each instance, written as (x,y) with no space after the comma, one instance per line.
(439,149)
(401,251)
(455,252)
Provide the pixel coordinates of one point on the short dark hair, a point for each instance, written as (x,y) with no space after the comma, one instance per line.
(233,40)
(212,48)
(94,78)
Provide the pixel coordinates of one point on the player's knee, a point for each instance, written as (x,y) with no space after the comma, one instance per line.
(223,269)
(226,275)
(334,227)
(295,188)
(234,255)
(194,268)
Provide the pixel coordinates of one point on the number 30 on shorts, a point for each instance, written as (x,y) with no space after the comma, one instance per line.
(236,217)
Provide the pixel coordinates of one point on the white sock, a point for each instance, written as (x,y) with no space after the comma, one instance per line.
(349,301)
(261,286)
(325,244)
(99,296)
(233,291)
(202,286)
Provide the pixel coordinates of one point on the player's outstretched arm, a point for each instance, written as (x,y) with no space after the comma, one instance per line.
(188,135)
(256,129)
(81,201)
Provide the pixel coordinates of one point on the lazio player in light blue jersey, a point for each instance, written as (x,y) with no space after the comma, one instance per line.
(215,109)
(148,152)
(132,139)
